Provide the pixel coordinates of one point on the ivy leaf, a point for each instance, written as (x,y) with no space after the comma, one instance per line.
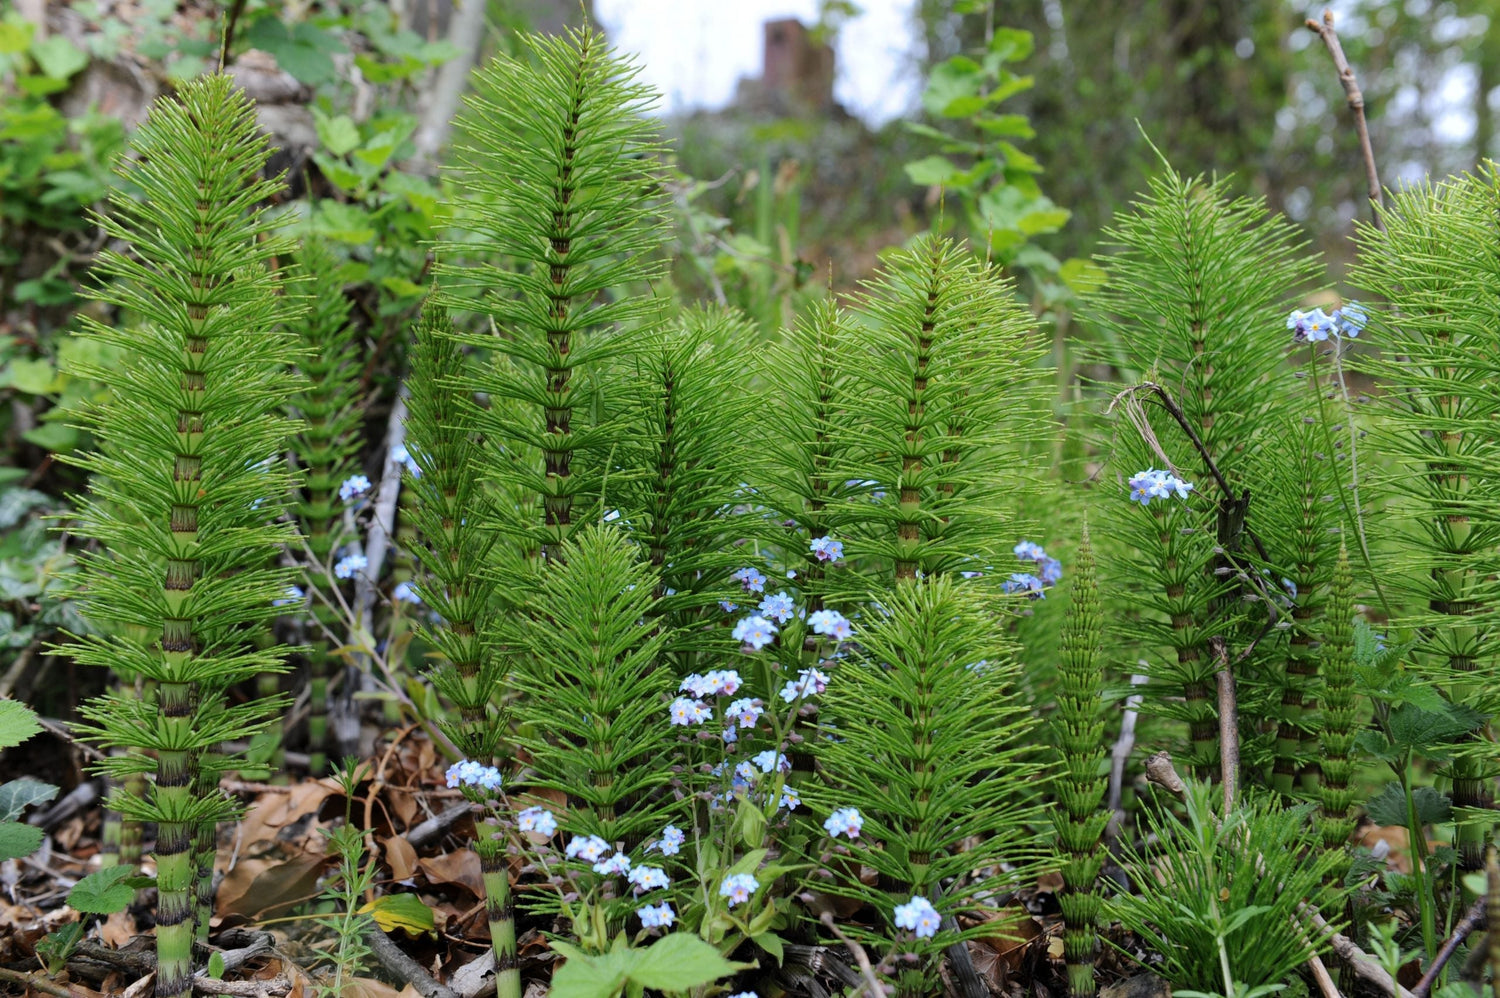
(1389,806)
(678,962)
(17,795)
(103,892)
(17,723)
(400,911)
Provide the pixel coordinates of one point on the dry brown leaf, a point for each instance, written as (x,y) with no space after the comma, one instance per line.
(272,812)
(366,987)
(141,987)
(401,858)
(1008,932)
(258,887)
(117,930)
(1052,883)
(459,867)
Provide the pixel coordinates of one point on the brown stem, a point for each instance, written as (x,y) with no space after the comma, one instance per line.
(1229,723)
(872,983)
(1324,30)
(1471,921)
(39,983)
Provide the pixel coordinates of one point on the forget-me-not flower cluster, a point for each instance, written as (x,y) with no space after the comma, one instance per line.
(467,773)
(756,632)
(405,593)
(751,579)
(778,607)
(1155,484)
(658,916)
(400,455)
(919,916)
(844,821)
(738,888)
(538,820)
(826,548)
(831,623)
(353,487)
(1315,326)
(809,682)
(294,594)
(671,841)
(350,565)
(719,682)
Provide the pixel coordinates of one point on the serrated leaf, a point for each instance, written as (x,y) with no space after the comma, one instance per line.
(103,892)
(953,89)
(339,135)
(17,839)
(1428,732)
(678,962)
(1389,806)
(400,911)
(17,795)
(17,723)
(931,170)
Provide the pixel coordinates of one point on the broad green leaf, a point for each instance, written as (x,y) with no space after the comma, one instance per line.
(17,723)
(58,57)
(931,170)
(17,839)
(216,965)
(1019,160)
(749,824)
(103,891)
(678,962)
(1389,806)
(56,437)
(339,135)
(400,911)
(953,89)
(1011,44)
(15,36)
(1015,126)
(33,377)
(1083,276)
(587,976)
(19,794)
(772,944)
(749,862)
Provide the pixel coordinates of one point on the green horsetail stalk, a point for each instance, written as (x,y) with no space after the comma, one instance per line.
(1078,817)
(187,490)
(326,448)
(1340,724)
(1434,262)
(447,506)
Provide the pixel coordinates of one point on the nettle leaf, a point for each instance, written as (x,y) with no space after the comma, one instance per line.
(954,89)
(586,976)
(1429,732)
(1389,806)
(17,839)
(103,892)
(17,795)
(17,723)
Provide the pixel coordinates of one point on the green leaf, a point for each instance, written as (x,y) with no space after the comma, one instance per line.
(772,944)
(17,839)
(58,57)
(57,437)
(1429,732)
(339,135)
(1015,126)
(103,892)
(679,962)
(749,824)
(402,911)
(216,965)
(1389,806)
(15,36)
(19,794)
(1083,276)
(953,89)
(17,723)
(586,976)
(931,170)
(33,377)
(1011,44)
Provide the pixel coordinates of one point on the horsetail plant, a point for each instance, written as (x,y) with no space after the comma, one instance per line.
(326,449)
(1199,278)
(558,169)
(447,504)
(1435,262)
(1079,817)
(1337,728)
(930,744)
(187,492)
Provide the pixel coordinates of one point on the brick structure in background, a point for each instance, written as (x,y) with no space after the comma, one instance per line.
(796,73)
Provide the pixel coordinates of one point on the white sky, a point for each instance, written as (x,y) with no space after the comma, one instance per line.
(694,51)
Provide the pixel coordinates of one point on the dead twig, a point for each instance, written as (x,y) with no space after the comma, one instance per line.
(1356,99)
(420,834)
(1229,722)
(1472,919)
(273,988)
(1363,965)
(1161,772)
(404,967)
(872,983)
(38,983)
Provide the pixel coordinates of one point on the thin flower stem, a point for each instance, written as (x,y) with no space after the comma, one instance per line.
(1354,514)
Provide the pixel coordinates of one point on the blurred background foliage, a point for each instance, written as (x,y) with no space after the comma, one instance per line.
(1035,125)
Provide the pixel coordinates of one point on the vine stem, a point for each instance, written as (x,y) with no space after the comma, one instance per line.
(1324,30)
